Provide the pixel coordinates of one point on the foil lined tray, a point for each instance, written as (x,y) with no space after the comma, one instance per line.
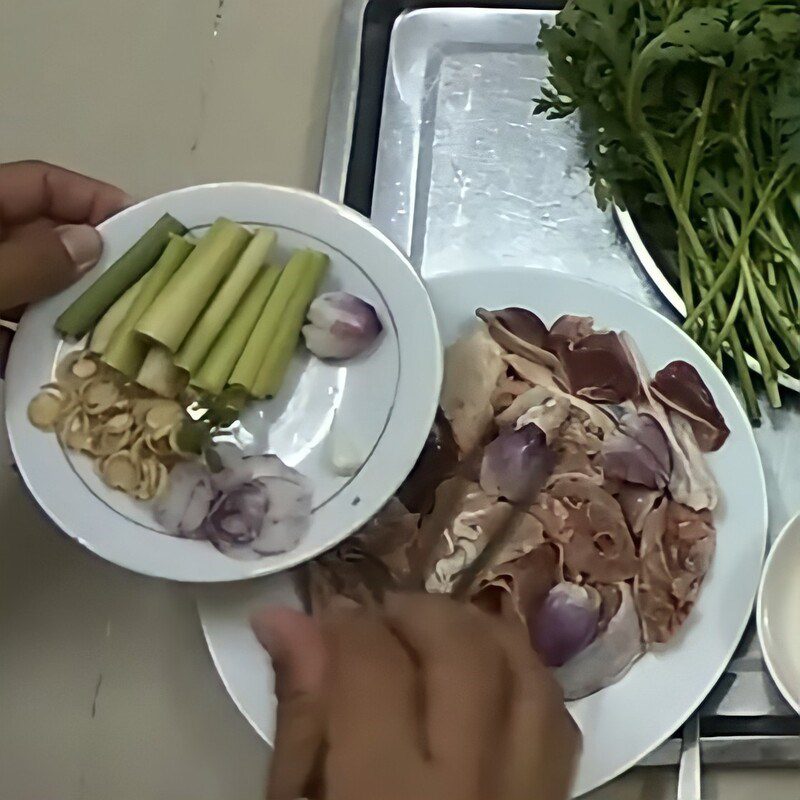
(431,132)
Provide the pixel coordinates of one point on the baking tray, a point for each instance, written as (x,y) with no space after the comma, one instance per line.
(431,134)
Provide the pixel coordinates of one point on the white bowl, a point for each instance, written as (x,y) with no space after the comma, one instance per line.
(383,403)
(778,613)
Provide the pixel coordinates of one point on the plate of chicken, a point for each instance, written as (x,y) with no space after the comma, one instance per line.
(593,475)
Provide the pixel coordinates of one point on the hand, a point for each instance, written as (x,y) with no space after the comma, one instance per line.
(47,238)
(427,699)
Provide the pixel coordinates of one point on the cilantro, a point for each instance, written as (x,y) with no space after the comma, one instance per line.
(690,111)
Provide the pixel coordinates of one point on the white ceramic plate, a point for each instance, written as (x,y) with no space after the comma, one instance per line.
(778,613)
(624,722)
(383,402)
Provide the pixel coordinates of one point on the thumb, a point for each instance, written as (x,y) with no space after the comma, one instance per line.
(294,642)
(36,262)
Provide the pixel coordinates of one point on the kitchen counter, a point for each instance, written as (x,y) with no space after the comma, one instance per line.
(107,691)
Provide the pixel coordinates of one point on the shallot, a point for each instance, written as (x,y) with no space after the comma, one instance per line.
(341,325)
(566,622)
(517,464)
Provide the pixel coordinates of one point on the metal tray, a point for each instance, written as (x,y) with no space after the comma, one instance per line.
(431,133)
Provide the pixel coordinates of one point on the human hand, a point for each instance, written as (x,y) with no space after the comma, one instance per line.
(427,699)
(47,235)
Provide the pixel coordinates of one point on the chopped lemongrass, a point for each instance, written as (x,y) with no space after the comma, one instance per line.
(93,409)
(84,368)
(45,409)
(99,396)
(120,472)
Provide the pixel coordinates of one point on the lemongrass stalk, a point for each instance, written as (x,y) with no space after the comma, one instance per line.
(122,274)
(229,345)
(246,369)
(179,304)
(160,375)
(197,344)
(127,349)
(273,369)
(104,330)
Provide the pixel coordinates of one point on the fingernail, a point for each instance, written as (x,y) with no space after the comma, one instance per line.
(83,243)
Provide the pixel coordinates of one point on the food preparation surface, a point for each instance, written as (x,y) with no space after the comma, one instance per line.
(106,687)
(465,176)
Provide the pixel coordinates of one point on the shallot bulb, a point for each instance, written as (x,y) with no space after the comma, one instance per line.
(517,464)
(566,623)
(606,659)
(341,325)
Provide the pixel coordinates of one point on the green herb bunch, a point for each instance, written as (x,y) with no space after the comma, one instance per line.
(691,114)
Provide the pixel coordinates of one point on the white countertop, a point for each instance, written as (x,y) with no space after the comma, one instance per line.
(107,691)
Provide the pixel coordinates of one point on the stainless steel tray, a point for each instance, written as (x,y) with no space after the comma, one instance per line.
(431,133)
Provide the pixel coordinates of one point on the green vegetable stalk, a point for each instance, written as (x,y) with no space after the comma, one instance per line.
(197,344)
(691,116)
(255,351)
(104,330)
(160,375)
(273,368)
(226,350)
(123,273)
(127,349)
(183,299)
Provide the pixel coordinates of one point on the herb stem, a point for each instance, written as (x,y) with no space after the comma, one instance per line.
(741,242)
(698,140)
(733,313)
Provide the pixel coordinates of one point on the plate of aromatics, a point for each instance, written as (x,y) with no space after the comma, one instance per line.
(245,378)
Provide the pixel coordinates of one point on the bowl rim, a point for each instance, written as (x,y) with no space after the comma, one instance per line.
(791,528)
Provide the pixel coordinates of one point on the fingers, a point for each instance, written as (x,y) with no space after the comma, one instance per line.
(38,260)
(294,642)
(47,216)
(467,683)
(31,189)
(5,346)
(539,718)
(374,727)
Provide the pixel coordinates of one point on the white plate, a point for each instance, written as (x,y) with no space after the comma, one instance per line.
(778,613)
(624,722)
(384,402)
